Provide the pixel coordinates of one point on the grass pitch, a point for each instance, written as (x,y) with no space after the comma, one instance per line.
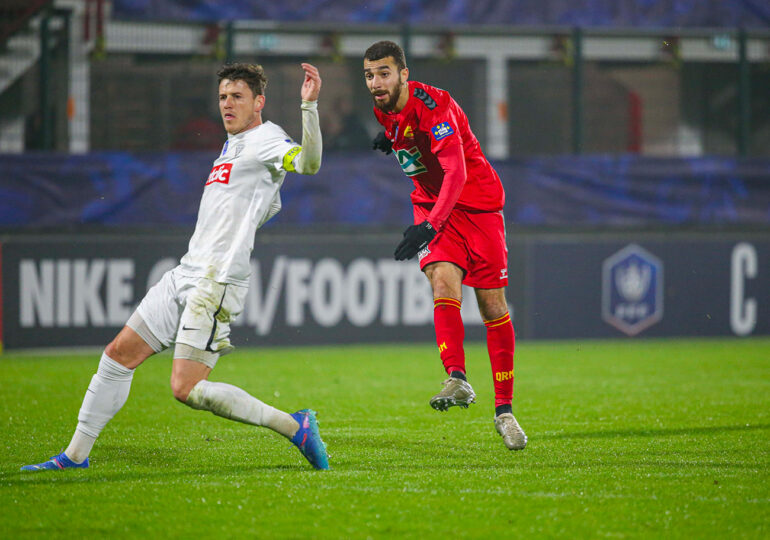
(665,438)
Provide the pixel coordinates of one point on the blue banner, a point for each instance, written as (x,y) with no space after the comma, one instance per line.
(587,13)
(140,189)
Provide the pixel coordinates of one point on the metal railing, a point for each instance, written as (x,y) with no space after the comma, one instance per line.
(15,14)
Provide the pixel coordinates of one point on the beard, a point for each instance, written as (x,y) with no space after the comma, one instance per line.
(393,98)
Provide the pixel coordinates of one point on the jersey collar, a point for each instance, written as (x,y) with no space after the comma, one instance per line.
(243,134)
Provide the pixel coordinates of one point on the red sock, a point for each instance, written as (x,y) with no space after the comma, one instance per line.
(450,333)
(500,344)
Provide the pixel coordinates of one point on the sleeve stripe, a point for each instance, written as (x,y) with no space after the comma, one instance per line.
(288,159)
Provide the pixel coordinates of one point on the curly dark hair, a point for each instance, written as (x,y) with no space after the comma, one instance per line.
(383,49)
(251,74)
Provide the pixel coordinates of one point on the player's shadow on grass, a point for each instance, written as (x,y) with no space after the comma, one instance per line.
(108,474)
(652,432)
(121,463)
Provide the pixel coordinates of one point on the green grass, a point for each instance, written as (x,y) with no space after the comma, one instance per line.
(662,438)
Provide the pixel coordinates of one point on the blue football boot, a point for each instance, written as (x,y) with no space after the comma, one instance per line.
(56,463)
(308,439)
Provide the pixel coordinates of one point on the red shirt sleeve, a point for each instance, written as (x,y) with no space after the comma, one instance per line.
(452,160)
(441,126)
(447,145)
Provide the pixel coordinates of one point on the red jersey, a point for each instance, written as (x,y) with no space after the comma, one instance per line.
(435,147)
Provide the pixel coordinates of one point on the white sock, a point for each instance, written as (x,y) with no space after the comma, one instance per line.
(80,446)
(231,402)
(105,396)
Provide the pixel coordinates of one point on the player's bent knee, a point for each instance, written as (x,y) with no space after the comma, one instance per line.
(182,384)
(191,365)
(445,280)
(441,287)
(493,311)
(181,387)
(492,307)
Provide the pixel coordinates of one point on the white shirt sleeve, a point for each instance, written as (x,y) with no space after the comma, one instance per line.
(308,159)
(276,150)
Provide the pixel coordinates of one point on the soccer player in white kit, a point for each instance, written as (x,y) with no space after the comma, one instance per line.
(193,304)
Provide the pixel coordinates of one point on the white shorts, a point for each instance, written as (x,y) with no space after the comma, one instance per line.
(192,311)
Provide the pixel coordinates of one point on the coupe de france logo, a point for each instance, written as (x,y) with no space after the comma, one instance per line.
(632,290)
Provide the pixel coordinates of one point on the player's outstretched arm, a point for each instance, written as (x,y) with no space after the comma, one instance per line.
(311,86)
(308,161)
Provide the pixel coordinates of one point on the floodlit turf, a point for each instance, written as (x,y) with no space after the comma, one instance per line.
(667,439)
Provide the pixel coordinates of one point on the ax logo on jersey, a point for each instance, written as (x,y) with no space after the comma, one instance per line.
(410,161)
(439,131)
(220,174)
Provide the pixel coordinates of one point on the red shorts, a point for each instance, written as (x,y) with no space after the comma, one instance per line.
(474,241)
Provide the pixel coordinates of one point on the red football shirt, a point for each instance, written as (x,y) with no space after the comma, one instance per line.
(435,147)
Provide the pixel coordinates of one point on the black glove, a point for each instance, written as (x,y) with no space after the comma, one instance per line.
(416,237)
(381,142)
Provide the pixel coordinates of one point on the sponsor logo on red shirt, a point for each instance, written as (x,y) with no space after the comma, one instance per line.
(410,161)
(220,174)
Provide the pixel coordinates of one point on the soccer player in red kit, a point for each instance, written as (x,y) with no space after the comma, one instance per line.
(459,231)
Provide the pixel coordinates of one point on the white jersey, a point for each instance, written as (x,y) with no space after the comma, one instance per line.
(241,193)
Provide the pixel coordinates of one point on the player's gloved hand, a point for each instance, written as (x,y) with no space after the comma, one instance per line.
(381,142)
(416,237)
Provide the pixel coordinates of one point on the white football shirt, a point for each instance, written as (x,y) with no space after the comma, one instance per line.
(241,193)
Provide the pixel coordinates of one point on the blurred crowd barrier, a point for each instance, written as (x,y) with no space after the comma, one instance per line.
(161,189)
